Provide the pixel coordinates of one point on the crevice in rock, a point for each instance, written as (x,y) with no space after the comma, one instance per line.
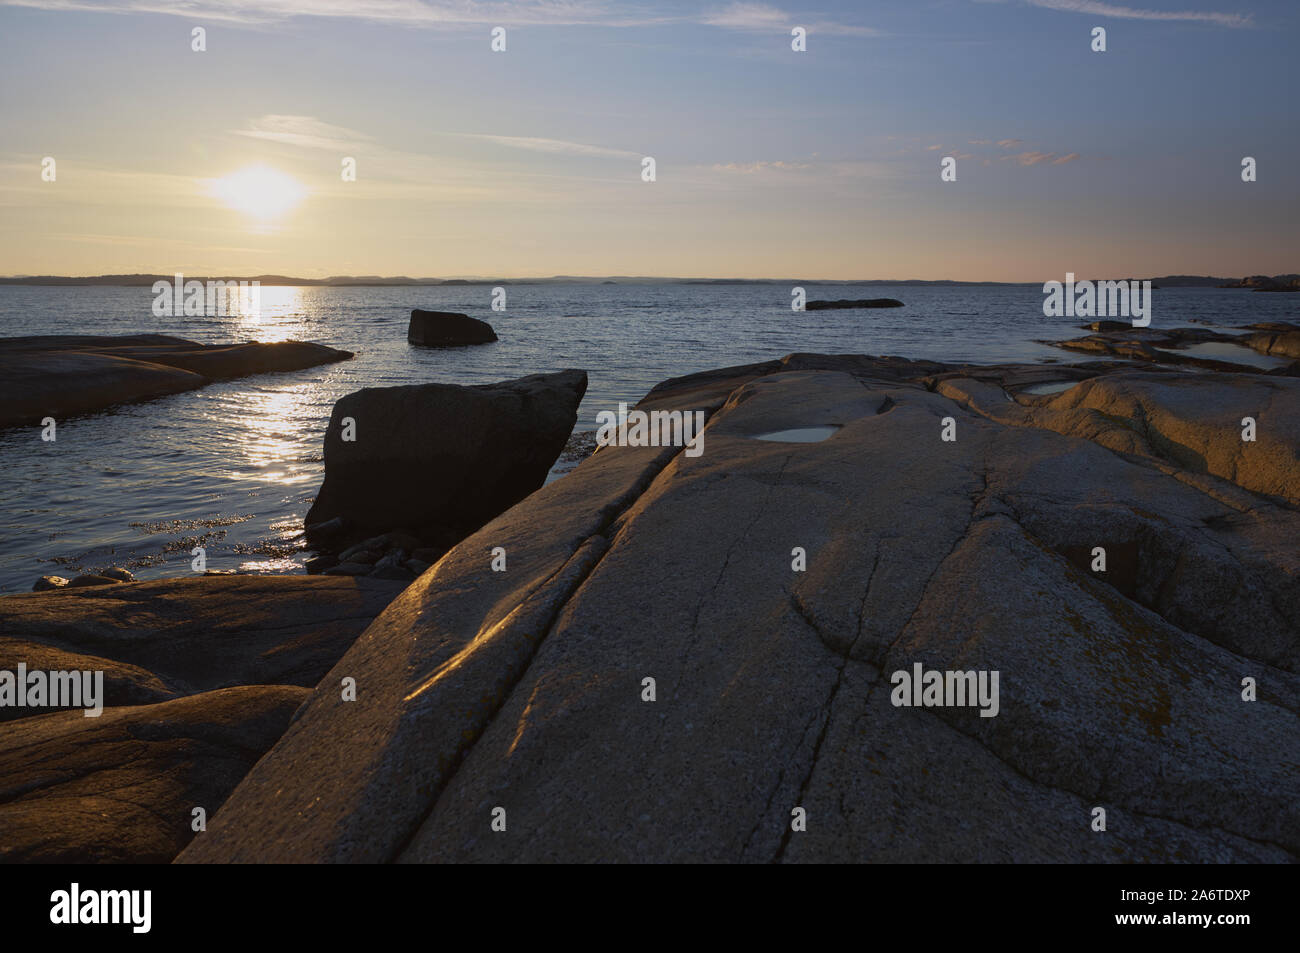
(608,517)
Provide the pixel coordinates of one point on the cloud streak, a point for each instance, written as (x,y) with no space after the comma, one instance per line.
(553,146)
(1038,158)
(744,16)
(306,132)
(1103,8)
(764,18)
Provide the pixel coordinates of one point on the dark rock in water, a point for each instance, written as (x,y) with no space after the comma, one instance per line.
(447,329)
(441,459)
(417,566)
(62,375)
(93,580)
(121,575)
(318,564)
(848,303)
(46,583)
(326,531)
(1108,326)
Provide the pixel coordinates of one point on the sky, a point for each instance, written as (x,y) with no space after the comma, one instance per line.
(769,163)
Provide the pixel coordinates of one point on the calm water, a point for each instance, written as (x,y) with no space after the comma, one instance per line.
(235,465)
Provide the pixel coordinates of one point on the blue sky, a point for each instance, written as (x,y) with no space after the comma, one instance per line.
(770,163)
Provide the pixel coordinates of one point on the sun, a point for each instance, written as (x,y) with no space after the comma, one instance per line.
(259,191)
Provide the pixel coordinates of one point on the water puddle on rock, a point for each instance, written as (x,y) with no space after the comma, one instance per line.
(799,434)
(1048,387)
(1232,353)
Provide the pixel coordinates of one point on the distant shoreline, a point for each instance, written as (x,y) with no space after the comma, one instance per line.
(374,281)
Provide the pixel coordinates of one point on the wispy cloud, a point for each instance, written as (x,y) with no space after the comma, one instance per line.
(749,168)
(407,12)
(306,132)
(447,13)
(1037,158)
(1009,143)
(762,17)
(554,146)
(1102,8)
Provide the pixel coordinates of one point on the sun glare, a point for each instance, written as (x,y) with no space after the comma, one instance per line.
(260,192)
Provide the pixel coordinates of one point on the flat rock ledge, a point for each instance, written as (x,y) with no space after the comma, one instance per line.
(64,375)
(1120,689)
(1169,346)
(200,677)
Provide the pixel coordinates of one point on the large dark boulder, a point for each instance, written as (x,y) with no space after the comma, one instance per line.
(447,329)
(443,459)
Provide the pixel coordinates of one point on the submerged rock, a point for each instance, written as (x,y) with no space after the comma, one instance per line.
(442,459)
(447,329)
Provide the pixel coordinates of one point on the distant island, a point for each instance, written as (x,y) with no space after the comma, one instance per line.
(1257,282)
(1265,283)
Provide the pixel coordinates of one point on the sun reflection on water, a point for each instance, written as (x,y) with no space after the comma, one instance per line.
(271,313)
(272,433)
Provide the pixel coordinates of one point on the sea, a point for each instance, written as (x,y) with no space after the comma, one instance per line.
(234,466)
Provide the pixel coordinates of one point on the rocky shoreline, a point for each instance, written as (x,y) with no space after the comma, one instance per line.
(949,518)
(64,375)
